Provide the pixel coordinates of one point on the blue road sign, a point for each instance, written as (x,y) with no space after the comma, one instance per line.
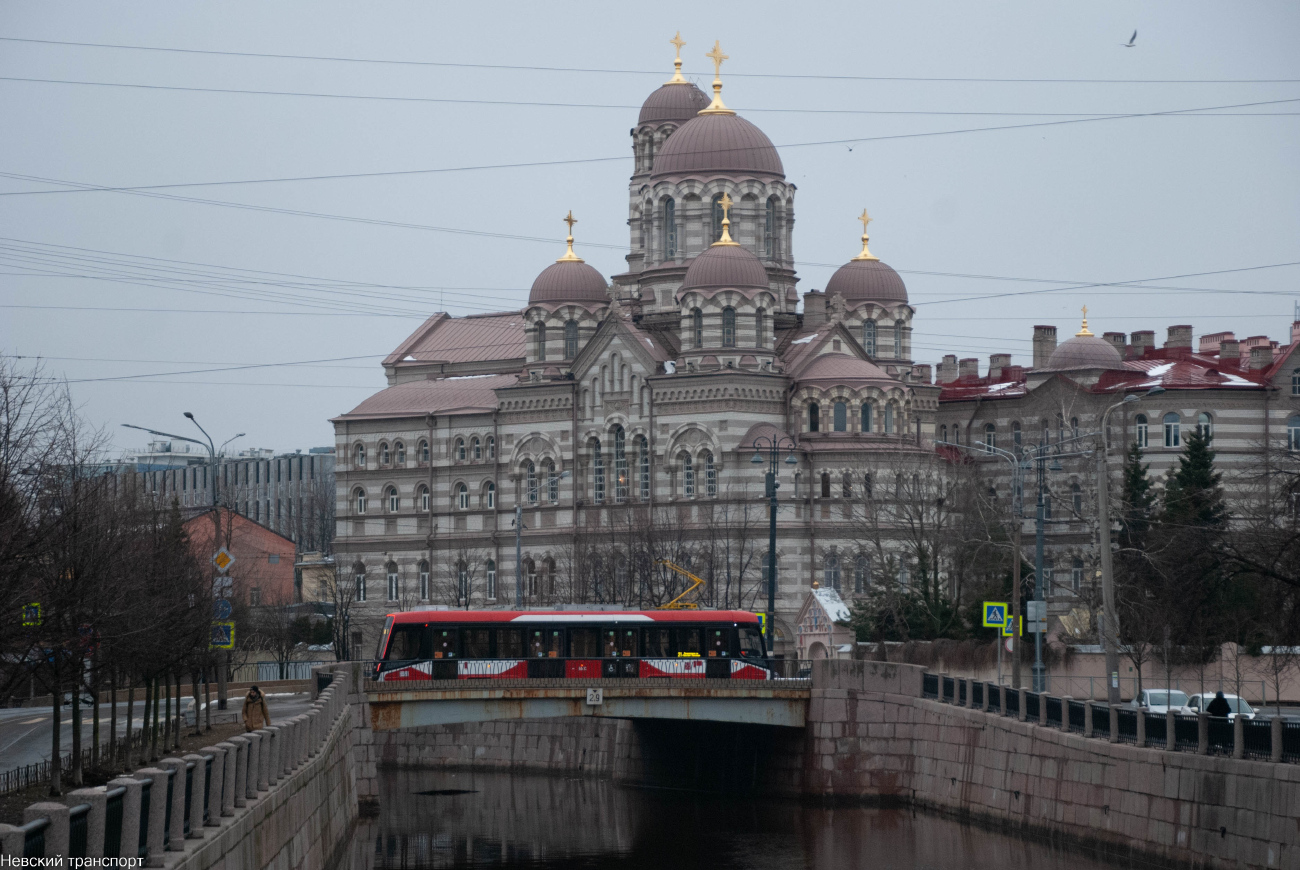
(995,614)
(223,635)
(221,609)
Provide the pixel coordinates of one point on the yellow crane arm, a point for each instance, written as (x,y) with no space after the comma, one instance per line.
(677,603)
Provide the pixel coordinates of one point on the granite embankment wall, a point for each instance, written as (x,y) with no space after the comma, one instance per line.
(872,736)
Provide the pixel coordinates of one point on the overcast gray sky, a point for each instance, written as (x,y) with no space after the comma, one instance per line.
(1043,206)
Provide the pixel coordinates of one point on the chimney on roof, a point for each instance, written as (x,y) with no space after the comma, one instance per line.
(970,368)
(1116,340)
(1256,341)
(814,309)
(998,362)
(1211,343)
(1044,344)
(1230,352)
(1179,336)
(1143,341)
(1295,332)
(921,373)
(948,369)
(1261,356)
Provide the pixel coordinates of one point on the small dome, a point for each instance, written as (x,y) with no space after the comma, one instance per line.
(569,281)
(1084,352)
(866,281)
(722,266)
(718,144)
(842,368)
(673,102)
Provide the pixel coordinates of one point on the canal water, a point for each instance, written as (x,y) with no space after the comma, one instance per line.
(450,819)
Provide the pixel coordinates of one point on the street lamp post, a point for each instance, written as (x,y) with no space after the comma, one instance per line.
(773,446)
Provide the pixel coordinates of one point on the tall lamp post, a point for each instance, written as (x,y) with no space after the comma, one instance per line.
(774,447)
(213,452)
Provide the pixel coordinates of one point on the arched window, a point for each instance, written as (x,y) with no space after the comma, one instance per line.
(643,467)
(541,341)
(1076,499)
(889,418)
(552,481)
(462,580)
(490,496)
(462,496)
(359,582)
(688,476)
(869,337)
(1017,437)
(728,327)
(548,571)
(1295,382)
(1074,427)
(393,501)
(530,482)
(394,584)
(359,456)
(490,569)
(424,498)
(710,475)
(990,437)
(424,451)
(846,486)
(1076,575)
(826,484)
(715,228)
(1293,433)
(898,339)
(831,572)
(570,339)
(760,328)
(769,228)
(598,472)
(359,499)
(840,417)
(491,447)
(1204,426)
(697,327)
(460,449)
(1173,435)
(1140,423)
(475,449)
(814,417)
(399,449)
(867,422)
(670,230)
(423,569)
(384,458)
(943,434)
(861,574)
(620,465)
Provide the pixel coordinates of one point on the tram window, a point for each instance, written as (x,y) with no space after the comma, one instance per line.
(751,642)
(444,643)
(477,643)
(657,642)
(584,643)
(686,642)
(545,643)
(406,644)
(620,642)
(719,641)
(510,643)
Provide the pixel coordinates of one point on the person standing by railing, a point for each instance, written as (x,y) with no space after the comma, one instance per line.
(255,714)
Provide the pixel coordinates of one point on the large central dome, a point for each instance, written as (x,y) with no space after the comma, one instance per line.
(718,144)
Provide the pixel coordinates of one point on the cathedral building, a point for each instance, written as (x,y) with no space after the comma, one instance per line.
(628,419)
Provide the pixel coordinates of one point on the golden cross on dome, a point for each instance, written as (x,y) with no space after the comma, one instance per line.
(716,107)
(725,239)
(1084,331)
(677,78)
(569,256)
(866,254)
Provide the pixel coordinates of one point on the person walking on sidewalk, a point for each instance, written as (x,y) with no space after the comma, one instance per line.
(255,713)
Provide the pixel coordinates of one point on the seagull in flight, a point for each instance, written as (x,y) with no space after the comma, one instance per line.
(1131,40)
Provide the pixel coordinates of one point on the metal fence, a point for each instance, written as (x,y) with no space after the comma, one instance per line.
(1033,706)
(1077,713)
(1053,712)
(1100,721)
(78,831)
(266,672)
(1257,738)
(1157,728)
(29,775)
(1187,733)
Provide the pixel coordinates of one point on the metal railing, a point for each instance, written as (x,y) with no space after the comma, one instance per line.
(1127,726)
(34,838)
(1221,736)
(114,808)
(189,794)
(146,798)
(1012,703)
(1100,721)
(1033,706)
(995,697)
(949,689)
(1257,738)
(1187,733)
(1053,712)
(79,831)
(1291,741)
(930,686)
(977,695)
(1157,729)
(207,791)
(266,672)
(1077,715)
(28,775)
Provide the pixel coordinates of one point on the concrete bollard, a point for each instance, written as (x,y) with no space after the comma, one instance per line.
(1114,722)
(1275,738)
(197,792)
(1171,734)
(1141,718)
(157,813)
(1238,738)
(56,835)
(216,784)
(1087,718)
(1202,734)
(273,757)
(176,831)
(98,800)
(130,836)
(240,798)
(254,764)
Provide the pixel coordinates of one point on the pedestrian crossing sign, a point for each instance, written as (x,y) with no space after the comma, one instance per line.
(1009,627)
(995,614)
(223,636)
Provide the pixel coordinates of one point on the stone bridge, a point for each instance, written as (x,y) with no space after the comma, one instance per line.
(395,706)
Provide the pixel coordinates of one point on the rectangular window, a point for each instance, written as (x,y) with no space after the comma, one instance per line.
(424,585)
(359,587)
(392,587)
(656,642)
(546,643)
(491,581)
(584,643)
(510,643)
(477,642)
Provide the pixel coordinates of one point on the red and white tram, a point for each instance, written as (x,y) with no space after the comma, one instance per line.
(573,644)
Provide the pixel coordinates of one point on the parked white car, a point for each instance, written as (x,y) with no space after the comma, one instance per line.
(1160,700)
(1240,707)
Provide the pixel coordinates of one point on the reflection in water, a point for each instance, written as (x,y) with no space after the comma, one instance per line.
(504,820)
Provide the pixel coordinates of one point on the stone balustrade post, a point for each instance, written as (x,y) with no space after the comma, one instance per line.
(199,788)
(1202,734)
(11,840)
(216,784)
(1002,700)
(1114,722)
(299,740)
(98,800)
(157,812)
(176,831)
(1171,733)
(275,769)
(226,798)
(57,834)
(1065,712)
(1087,719)
(1238,737)
(263,759)
(254,739)
(240,779)
(130,836)
(1275,736)
(1141,717)
(1022,711)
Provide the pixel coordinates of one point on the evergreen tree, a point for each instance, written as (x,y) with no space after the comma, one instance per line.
(1138,501)
(1194,494)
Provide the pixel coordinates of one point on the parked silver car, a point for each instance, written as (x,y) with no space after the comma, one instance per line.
(1200,701)
(1160,700)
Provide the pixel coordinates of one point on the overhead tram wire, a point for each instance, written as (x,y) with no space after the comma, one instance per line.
(80,187)
(609,71)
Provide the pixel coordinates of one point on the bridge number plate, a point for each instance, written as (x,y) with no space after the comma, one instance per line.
(595,697)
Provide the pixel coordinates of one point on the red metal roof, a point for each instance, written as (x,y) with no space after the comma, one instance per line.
(443,338)
(455,395)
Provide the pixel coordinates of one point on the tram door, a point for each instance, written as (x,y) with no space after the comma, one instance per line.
(444,653)
(620,650)
(545,652)
(718,641)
